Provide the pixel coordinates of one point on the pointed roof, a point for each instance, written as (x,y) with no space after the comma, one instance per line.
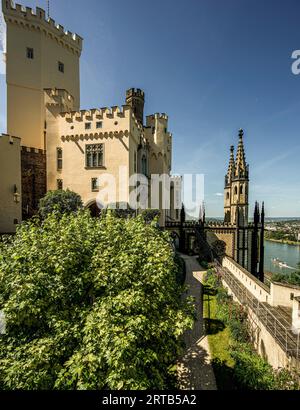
(240,162)
(231,165)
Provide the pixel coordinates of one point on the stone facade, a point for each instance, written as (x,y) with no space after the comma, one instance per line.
(10,183)
(43,109)
(33,169)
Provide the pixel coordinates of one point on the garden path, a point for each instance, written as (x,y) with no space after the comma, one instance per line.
(194,368)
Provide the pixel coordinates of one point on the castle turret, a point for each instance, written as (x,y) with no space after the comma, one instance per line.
(136,99)
(40,54)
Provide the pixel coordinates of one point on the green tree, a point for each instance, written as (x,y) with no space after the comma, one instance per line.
(90,304)
(60,201)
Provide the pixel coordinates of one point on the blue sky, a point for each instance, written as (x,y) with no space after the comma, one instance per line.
(213,66)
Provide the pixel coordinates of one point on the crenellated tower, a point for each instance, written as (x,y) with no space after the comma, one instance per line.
(136,99)
(40,55)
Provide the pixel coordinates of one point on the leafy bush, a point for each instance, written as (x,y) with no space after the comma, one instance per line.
(90,304)
(60,201)
(150,214)
(181,270)
(119,210)
(211,279)
(204,264)
(292,278)
(251,371)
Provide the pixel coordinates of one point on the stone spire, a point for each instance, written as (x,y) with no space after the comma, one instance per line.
(231,165)
(240,162)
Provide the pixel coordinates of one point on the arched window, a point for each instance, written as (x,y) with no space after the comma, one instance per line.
(235,190)
(241,189)
(144,165)
(227,196)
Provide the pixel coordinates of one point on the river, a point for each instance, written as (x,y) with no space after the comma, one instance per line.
(286,253)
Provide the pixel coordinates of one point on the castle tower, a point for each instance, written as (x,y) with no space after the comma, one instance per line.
(40,54)
(240,186)
(227,188)
(136,99)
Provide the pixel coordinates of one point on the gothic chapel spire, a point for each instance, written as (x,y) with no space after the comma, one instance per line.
(240,162)
(231,165)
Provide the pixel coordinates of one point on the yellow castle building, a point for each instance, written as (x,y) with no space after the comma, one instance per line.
(61,146)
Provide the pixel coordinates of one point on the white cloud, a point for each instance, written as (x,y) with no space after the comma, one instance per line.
(218,194)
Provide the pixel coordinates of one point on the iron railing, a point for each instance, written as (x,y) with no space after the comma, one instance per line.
(276,324)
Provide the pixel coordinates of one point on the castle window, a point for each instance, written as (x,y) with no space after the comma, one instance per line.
(227,196)
(61,67)
(166,130)
(94,155)
(88,125)
(94,184)
(59,184)
(235,190)
(135,162)
(241,189)
(59,158)
(99,124)
(144,165)
(29,53)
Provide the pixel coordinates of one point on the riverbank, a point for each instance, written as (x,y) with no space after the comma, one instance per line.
(283,241)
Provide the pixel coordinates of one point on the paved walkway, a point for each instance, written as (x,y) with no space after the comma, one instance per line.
(194,368)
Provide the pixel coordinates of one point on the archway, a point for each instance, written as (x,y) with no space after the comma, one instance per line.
(92,206)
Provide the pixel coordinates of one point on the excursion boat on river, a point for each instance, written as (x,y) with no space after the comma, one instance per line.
(281,264)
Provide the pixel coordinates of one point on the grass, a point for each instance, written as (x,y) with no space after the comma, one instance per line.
(219,340)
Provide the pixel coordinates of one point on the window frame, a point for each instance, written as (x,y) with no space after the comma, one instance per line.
(30,53)
(61,67)
(58,182)
(87,165)
(96,187)
(59,158)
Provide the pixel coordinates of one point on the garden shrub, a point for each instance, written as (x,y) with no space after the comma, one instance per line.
(90,303)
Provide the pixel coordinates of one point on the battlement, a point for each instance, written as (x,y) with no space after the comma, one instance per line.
(135,92)
(158,116)
(27,17)
(219,225)
(114,112)
(11,138)
(32,150)
(56,94)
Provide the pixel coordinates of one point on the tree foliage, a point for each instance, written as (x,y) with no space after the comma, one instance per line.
(90,304)
(60,201)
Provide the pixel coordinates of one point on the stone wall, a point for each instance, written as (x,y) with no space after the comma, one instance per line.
(10,183)
(33,169)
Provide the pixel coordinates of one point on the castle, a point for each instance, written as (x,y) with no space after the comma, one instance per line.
(53,144)
(59,146)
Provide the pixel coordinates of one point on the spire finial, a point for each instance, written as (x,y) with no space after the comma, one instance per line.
(48,8)
(240,163)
